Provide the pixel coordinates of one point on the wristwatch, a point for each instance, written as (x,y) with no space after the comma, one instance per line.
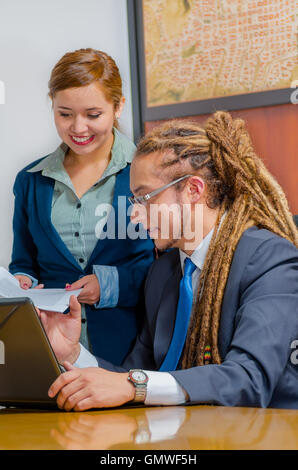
(139,380)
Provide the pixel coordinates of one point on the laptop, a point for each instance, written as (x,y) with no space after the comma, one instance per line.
(28,365)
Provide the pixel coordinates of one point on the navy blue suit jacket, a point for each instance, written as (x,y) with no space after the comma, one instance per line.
(258,334)
(39,251)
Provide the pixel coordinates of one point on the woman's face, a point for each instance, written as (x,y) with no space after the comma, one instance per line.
(84,118)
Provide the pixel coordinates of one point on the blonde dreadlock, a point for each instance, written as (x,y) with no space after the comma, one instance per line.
(240,185)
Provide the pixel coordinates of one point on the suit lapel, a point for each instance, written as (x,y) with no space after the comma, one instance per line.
(166,315)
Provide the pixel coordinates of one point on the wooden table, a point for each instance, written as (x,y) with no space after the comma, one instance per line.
(176,427)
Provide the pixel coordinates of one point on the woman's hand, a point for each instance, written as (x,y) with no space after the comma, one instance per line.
(26,283)
(63,331)
(91,289)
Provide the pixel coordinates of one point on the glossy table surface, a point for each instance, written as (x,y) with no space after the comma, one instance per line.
(175,427)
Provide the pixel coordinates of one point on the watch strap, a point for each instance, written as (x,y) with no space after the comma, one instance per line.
(140,388)
(141,392)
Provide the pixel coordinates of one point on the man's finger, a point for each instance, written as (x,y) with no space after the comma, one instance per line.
(73,398)
(62,380)
(75,307)
(85,404)
(68,393)
(68,366)
(44,320)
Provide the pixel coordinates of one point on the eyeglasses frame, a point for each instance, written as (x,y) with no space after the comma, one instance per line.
(142,200)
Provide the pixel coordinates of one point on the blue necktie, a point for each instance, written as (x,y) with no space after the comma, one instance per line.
(182,318)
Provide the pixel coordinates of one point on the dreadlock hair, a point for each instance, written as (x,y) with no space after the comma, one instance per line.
(239,185)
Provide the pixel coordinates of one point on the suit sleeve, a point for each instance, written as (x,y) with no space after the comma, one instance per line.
(265,325)
(24,251)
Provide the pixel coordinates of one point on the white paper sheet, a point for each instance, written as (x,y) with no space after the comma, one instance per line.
(55,300)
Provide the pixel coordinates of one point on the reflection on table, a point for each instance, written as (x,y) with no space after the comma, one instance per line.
(176,427)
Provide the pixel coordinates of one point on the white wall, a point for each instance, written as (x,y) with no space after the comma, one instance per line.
(34,34)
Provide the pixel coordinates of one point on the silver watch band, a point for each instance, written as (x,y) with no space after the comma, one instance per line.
(140,395)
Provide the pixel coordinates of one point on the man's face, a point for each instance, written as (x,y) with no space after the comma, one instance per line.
(161,216)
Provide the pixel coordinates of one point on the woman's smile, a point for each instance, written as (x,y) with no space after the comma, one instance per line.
(82,140)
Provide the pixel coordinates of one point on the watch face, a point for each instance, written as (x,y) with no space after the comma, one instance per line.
(139,376)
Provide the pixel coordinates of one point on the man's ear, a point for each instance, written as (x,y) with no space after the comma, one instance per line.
(195,188)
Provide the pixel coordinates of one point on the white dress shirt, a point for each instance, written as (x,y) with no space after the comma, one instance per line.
(162,387)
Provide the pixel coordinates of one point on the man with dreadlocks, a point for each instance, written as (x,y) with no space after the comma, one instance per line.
(221,321)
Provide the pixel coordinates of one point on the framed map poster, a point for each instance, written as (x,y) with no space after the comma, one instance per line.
(191,57)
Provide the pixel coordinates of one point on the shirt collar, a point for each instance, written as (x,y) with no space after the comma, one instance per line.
(199,254)
(53,163)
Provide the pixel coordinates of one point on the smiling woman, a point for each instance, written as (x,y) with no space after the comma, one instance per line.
(84,120)
(57,199)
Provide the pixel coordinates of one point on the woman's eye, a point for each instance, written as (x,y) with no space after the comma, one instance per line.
(91,116)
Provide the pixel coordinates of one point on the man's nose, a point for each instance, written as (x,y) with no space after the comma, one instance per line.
(139,215)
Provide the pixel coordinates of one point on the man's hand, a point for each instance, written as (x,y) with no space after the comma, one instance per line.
(91,289)
(63,331)
(92,387)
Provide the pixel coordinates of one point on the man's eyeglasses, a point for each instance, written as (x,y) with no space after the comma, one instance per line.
(144,199)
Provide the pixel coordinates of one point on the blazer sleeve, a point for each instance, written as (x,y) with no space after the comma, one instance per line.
(24,251)
(141,356)
(132,277)
(122,286)
(265,325)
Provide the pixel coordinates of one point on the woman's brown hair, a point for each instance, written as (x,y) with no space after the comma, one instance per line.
(86,66)
(239,184)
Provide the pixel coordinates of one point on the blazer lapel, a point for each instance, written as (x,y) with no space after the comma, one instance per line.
(44,194)
(121,189)
(166,315)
